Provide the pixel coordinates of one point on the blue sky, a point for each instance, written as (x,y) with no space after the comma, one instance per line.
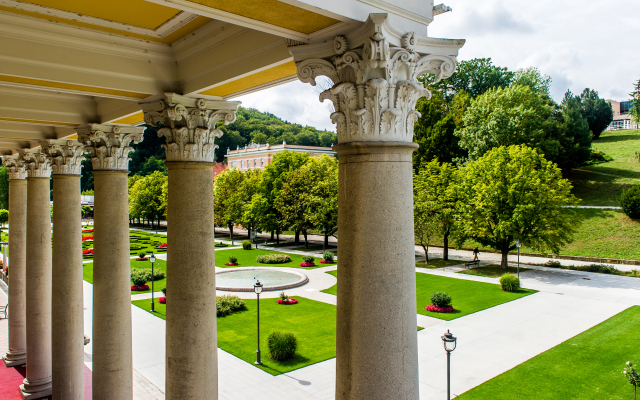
(579,43)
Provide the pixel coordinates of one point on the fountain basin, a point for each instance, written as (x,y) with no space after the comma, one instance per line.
(243,279)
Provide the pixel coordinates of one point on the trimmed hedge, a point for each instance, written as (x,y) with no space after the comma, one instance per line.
(273,259)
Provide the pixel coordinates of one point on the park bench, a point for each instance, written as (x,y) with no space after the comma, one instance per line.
(475,263)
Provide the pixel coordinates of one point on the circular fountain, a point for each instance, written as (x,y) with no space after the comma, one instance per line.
(243,279)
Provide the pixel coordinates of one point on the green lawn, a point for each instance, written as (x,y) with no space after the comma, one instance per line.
(87,273)
(247,258)
(468,296)
(492,271)
(316,248)
(312,321)
(438,263)
(586,367)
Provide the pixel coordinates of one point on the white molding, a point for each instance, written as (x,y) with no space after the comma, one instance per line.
(385,6)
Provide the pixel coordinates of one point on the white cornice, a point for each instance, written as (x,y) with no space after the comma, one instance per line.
(386,6)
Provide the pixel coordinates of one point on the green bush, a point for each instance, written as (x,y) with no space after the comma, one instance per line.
(308,259)
(246,245)
(282,345)
(139,279)
(440,299)
(509,283)
(630,201)
(233,260)
(158,274)
(142,254)
(220,244)
(327,256)
(228,304)
(553,264)
(599,268)
(164,290)
(273,259)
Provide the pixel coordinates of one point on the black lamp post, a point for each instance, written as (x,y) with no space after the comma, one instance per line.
(449,342)
(152,258)
(258,289)
(518,244)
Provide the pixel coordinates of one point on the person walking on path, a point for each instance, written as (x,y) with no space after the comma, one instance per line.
(475,254)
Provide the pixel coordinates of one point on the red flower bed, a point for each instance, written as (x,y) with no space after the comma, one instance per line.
(139,288)
(163,246)
(433,308)
(231,264)
(87,252)
(87,230)
(162,300)
(306,264)
(288,301)
(87,238)
(326,262)
(142,259)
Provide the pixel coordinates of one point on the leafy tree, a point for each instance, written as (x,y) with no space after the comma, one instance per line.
(4,216)
(260,137)
(322,207)
(596,111)
(425,224)
(90,192)
(227,199)
(513,193)
(435,202)
(635,102)
(151,146)
(152,165)
(532,77)
(247,190)
(576,138)
(145,197)
(293,200)
(474,76)
(4,188)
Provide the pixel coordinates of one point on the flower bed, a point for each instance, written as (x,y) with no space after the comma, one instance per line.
(163,246)
(87,231)
(142,259)
(162,300)
(230,264)
(287,301)
(85,238)
(87,252)
(308,264)
(445,309)
(273,259)
(326,262)
(139,288)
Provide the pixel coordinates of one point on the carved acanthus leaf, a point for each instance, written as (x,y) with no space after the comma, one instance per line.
(15,167)
(108,145)
(66,158)
(37,163)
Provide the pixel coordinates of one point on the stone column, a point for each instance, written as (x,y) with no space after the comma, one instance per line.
(192,362)
(17,354)
(38,279)
(67,338)
(374,72)
(109,148)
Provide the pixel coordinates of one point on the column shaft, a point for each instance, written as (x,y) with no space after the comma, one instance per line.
(67,302)
(192,362)
(376,340)
(38,295)
(112,348)
(17,354)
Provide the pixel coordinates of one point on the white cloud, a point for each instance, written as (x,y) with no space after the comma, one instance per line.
(578,43)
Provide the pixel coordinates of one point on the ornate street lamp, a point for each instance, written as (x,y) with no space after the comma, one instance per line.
(258,289)
(449,341)
(152,258)
(518,244)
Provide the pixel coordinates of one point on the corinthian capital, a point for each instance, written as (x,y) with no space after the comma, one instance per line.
(66,156)
(373,72)
(15,167)
(188,124)
(37,163)
(108,145)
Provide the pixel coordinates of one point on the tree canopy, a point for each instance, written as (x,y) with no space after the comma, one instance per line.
(145,197)
(596,111)
(635,102)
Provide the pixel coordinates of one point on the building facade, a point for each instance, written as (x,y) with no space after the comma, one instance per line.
(257,155)
(622,119)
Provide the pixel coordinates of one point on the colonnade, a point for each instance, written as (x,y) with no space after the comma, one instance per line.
(374,71)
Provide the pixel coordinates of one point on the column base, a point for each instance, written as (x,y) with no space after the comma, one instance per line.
(36,389)
(13,359)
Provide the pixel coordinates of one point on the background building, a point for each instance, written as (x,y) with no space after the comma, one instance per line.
(257,155)
(621,117)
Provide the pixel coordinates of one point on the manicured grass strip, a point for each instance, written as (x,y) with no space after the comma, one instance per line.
(468,296)
(313,322)
(586,367)
(333,289)
(492,271)
(247,258)
(438,263)
(87,273)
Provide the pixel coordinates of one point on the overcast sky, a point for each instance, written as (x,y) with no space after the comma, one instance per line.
(579,43)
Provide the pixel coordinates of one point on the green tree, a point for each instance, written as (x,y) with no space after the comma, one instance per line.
(4,188)
(259,137)
(435,202)
(596,111)
(4,218)
(322,206)
(248,189)
(513,193)
(145,198)
(293,200)
(635,102)
(227,199)
(425,224)
(576,137)
(532,77)
(151,165)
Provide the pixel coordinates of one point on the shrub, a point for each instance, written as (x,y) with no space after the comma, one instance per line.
(553,264)
(599,268)
(228,304)
(440,299)
(308,259)
(282,345)
(164,290)
(630,201)
(146,272)
(327,256)
(142,254)
(246,245)
(509,283)
(139,279)
(233,260)
(283,296)
(273,259)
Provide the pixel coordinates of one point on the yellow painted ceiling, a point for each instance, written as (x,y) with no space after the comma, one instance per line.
(70,86)
(259,78)
(131,12)
(273,12)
